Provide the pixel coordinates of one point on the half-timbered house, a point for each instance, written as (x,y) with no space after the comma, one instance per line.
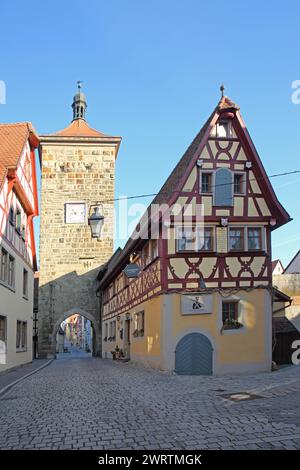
(18,206)
(201,303)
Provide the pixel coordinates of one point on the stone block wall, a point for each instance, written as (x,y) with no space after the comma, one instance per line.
(69,257)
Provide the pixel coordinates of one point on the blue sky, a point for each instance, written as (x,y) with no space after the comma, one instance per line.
(151,73)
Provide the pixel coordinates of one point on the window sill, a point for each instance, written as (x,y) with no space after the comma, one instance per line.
(215,137)
(243,251)
(192,252)
(25,297)
(21,350)
(4,284)
(232,330)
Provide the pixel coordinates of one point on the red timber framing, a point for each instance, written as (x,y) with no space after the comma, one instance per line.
(19,187)
(227,269)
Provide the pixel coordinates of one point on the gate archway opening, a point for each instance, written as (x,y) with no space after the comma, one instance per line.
(76,334)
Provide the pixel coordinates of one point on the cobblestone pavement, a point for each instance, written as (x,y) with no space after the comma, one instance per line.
(89,403)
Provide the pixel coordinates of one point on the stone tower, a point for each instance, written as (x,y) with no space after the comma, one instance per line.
(78,171)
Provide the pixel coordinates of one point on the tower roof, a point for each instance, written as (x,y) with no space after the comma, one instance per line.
(79,128)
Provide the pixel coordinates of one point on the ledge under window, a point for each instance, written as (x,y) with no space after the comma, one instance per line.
(4,284)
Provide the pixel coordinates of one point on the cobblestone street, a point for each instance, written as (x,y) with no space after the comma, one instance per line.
(89,403)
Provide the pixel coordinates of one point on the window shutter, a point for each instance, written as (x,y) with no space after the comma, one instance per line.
(223,188)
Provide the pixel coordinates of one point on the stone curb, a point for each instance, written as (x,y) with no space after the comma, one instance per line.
(15,382)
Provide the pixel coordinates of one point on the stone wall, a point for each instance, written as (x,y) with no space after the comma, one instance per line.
(290,285)
(69,257)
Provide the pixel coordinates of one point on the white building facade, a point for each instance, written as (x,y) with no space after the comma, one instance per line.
(18,207)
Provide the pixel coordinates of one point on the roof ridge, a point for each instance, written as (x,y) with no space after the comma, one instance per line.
(13,124)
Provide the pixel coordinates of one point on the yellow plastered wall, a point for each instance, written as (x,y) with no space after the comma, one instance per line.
(232,347)
(149,344)
(147,348)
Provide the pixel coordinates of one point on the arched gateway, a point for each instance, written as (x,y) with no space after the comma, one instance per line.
(78,169)
(95,325)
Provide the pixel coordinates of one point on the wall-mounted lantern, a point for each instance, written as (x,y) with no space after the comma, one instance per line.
(96,221)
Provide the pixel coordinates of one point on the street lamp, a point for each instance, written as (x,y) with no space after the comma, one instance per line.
(96,221)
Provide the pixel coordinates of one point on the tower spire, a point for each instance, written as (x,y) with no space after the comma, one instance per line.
(222,89)
(79,103)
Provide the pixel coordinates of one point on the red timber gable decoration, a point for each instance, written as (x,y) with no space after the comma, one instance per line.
(18,188)
(222,173)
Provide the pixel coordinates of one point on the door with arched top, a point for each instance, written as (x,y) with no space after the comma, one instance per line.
(194,355)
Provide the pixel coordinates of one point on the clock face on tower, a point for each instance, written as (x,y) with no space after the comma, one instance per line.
(75,212)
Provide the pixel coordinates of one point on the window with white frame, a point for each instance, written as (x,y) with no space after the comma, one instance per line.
(236,239)
(25,283)
(19,221)
(2,335)
(21,335)
(139,324)
(7,268)
(195,238)
(230,314)
(105,331)
(12,216)
(255,238)
(112,333)
(246,238)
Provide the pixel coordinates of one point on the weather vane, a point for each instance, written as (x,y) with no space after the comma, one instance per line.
(222,88)
(79,84)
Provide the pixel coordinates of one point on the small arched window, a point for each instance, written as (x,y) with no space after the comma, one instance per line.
(223,188)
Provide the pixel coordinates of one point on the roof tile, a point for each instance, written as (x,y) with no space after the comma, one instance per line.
(13,138)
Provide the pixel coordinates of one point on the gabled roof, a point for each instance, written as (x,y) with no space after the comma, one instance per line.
(79,128)
(274,264)
(283,325)
(292,260)
(173,180)
(174,183)
(13,138)
(279,296)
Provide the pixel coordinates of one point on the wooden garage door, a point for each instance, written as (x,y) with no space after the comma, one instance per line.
(193,355)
